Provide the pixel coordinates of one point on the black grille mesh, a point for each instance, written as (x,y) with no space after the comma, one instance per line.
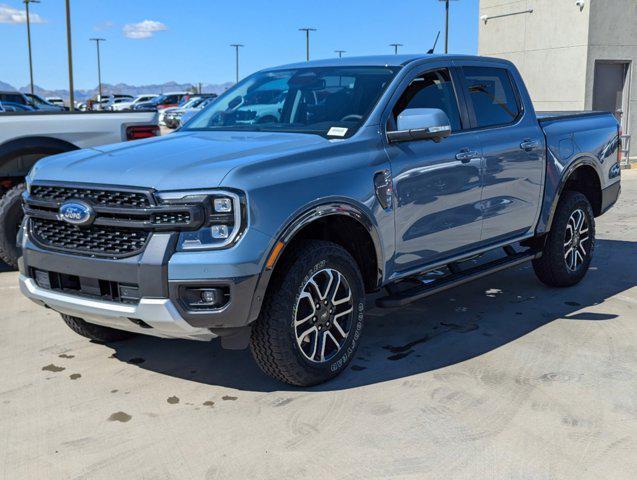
(171,218)
(92,240)
(107,198)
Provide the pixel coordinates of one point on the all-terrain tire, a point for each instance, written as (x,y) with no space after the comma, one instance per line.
(97,333)
(10,219)
(274,336)
(552,268)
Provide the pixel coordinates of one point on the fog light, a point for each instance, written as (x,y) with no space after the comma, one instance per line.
(219,231)
(223,205)
(209,295)
(204,298)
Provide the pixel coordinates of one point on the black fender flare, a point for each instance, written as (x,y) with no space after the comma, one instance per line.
(307,216)
(568,172)
(33,145)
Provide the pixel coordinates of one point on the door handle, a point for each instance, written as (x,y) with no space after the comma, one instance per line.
(465,155)
(529,144)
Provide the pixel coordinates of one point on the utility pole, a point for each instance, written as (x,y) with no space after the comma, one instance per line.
(340,53)
(26,3)
(99,67)
(395,45)
(237,46)
(446,24)
(307,31)
(70,54)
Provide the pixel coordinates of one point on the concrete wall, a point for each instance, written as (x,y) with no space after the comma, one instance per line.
(613,36)
(549,46)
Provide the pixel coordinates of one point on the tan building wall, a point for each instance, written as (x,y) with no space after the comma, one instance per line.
(557,46)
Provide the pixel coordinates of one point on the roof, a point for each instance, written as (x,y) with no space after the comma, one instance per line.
(374,61)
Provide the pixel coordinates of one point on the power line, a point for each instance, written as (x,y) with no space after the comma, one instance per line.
(396,45)
(26,3)
(99,67)
(307,31)
(237,46)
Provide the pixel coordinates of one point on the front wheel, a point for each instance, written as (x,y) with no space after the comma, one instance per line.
(11,215)
(569,246)
(312,317)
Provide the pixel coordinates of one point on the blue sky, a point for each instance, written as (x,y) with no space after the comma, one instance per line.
(188,41)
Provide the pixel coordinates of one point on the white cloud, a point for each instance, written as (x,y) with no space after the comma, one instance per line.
(145,29)
(100,27)
(13,15)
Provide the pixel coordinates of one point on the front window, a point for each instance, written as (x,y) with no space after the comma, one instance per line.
(329,101)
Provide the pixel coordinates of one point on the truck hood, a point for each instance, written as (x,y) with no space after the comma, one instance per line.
(181,160)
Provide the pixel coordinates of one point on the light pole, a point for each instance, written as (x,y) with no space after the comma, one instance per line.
(340,53)
(395,45)
(446,24)
(26,3)
(70,55)
(307,31)
(99,67)
(237,46)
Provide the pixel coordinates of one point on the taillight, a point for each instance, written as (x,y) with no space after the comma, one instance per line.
(136,132)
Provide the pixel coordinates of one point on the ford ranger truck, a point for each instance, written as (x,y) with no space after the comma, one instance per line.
(408,174)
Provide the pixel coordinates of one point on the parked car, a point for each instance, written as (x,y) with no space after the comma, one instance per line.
(164,101)
(15,107)
(25,139)
(56,101)
(39,103)
(13,97)
(172,116)
(130,105)
(394,172)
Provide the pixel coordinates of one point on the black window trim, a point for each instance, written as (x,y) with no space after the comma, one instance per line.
(456,82)
(469,104)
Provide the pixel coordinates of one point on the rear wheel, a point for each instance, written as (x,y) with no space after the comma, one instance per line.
(97,333)
(569,246)
(10,219)
(312,318)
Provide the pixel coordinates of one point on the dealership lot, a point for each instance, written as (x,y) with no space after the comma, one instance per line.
(501,378)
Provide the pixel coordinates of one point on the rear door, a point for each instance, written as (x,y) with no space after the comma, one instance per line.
(437,184)
(513,148)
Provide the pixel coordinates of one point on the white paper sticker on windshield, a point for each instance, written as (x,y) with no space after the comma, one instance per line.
(337,132)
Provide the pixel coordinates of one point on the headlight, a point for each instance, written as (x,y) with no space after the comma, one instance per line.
(225,218)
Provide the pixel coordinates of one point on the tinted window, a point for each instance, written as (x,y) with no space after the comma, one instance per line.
(492,95)
(12,97)
(431,90)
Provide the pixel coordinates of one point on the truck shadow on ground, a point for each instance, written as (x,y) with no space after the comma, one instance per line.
(442,330)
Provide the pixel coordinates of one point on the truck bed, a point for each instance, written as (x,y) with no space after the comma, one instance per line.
(562,115)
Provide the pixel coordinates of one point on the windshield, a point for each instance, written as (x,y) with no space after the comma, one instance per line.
(329,101)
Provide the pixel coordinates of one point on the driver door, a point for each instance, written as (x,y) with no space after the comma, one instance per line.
(437,184)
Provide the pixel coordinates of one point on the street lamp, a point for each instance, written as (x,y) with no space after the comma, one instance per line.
(446,24)
(26,3)
(340,53)
(307,31)
(99,68)
(395,45)
(70,55)
(237,46)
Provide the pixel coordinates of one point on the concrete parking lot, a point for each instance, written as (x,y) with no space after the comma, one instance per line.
(500,379)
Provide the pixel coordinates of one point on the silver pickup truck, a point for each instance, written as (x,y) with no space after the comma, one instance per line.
(411,174)
(27,137)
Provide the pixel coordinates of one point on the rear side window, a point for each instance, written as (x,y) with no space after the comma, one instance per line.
(492,95)
(431,90)
(12,97)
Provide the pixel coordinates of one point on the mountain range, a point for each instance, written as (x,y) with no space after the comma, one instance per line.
(122,88)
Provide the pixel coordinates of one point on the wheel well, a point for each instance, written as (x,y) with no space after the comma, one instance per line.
(586,181)
(349,234)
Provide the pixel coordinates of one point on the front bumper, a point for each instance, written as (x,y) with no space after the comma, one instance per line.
(159,314)
(158,273)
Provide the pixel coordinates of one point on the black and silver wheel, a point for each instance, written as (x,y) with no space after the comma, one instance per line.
(569,246)
(312,318)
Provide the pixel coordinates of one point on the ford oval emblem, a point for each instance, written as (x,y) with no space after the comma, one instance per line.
(77,213)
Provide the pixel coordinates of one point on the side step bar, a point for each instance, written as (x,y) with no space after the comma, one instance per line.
(457,277)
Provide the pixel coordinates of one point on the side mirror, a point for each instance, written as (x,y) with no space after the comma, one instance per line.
(421,124)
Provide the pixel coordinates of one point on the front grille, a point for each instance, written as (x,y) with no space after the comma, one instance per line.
(91,240)
(106,198)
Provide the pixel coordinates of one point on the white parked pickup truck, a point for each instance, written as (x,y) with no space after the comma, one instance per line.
(27,137)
